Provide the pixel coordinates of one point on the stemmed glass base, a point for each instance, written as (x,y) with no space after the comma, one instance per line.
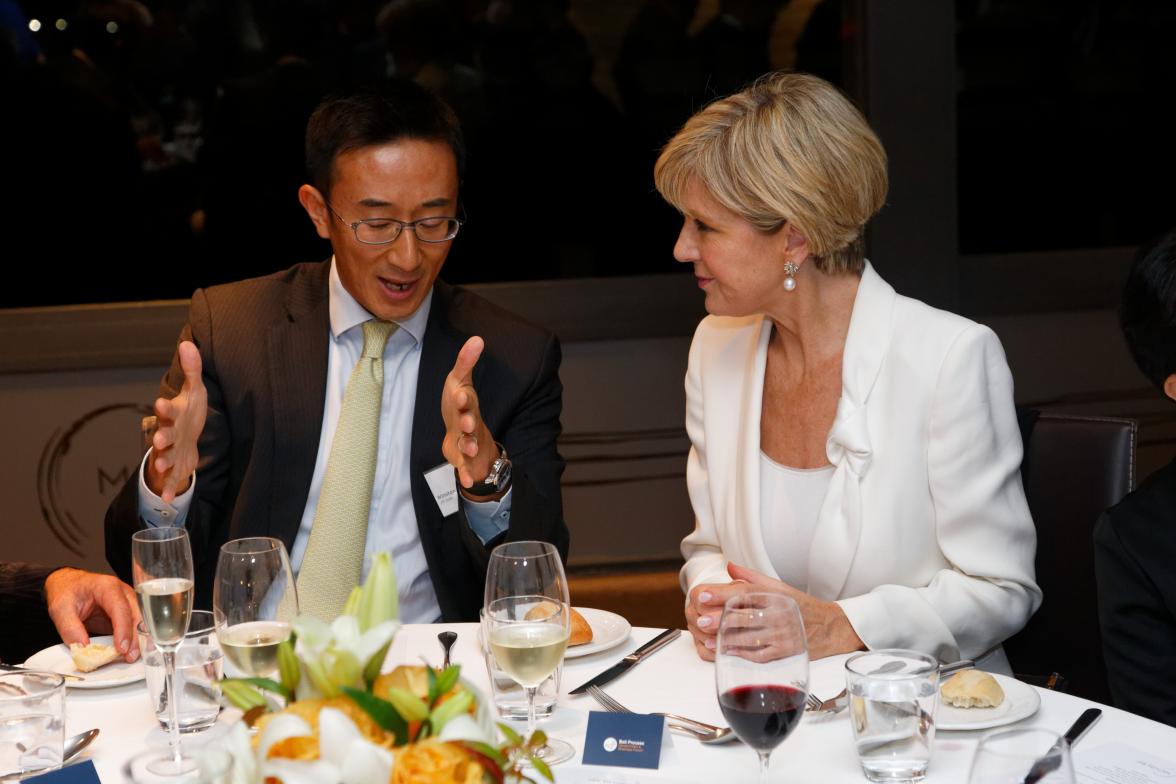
(173,765)
(556,751)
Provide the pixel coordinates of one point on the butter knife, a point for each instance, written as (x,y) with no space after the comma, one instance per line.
(1051,762)
(649,648)
(17,668)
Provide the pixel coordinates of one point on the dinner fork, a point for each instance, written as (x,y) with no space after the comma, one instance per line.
(706,733)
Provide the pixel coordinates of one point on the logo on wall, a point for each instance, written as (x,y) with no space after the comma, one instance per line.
(84,465)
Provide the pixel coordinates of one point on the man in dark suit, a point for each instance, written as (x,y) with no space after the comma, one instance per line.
(39,604)
(1135,541)
(261,383)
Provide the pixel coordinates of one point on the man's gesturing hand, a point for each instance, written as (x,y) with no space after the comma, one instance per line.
(180,422)
(469,447)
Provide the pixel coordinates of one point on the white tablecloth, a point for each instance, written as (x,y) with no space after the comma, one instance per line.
(674,680)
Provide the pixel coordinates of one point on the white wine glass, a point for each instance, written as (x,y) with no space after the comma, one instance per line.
(162,567)
(527,617)
(761,670)
(254,601)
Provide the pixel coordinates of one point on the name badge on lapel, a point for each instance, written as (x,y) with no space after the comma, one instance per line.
(443,484)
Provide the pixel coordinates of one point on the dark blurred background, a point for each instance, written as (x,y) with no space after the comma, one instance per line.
(150,147)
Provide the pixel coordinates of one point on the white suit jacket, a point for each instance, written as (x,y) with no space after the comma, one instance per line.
(924,537)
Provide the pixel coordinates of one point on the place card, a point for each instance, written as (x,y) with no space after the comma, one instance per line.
(1118,763)
(627,740)
(81,773)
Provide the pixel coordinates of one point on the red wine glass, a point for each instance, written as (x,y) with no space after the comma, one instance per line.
(761,670)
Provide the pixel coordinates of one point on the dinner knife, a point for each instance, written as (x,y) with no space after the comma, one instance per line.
(17,668)
(649,648)
(1051,762)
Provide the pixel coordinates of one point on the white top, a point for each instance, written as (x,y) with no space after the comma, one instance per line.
(790,505)
(392,523)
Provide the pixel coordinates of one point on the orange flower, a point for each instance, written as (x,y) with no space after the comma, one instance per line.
(435,762)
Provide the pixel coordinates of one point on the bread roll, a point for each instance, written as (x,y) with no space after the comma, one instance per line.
(972,689)
(581,632)
(88,658)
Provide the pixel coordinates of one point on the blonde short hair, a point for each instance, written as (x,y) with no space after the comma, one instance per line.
(790,148)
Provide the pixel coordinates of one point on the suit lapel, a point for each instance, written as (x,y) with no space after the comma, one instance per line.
(297,369)
(838,531)
(439,350)
(747,516)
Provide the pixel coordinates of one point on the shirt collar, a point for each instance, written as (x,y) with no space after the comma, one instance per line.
(346,312)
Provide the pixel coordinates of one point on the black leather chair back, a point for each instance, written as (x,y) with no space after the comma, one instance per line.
(1074,468)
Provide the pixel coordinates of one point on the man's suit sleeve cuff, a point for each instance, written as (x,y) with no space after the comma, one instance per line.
(152,509)
(487,519)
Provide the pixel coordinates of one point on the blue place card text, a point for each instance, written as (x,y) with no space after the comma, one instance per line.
(628,740)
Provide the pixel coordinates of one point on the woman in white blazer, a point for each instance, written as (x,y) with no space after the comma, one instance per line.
(851,447)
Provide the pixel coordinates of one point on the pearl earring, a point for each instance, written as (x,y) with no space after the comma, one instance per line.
(790,271)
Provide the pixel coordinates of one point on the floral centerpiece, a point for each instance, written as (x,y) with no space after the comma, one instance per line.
(333,717)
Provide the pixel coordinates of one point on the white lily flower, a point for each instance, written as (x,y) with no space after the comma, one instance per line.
(279,728)
(236,742)
(366,763)
(313,635)
(465,727)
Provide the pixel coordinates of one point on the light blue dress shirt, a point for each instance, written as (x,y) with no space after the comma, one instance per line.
(392,521)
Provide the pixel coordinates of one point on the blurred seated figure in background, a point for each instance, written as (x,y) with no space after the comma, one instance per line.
(77,603)
(850,447)
(1135,540)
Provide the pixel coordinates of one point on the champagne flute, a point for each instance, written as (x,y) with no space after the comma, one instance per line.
(254,601)
(527,621)
(761,670)
(162,566)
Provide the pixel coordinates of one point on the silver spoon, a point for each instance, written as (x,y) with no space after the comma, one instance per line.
(74,745)
(447,639)
(713,735)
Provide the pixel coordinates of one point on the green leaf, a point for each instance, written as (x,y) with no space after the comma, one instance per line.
(447,680)
(433,693)
(371,670)
(512,737)
(542,767)
(382,712)
(407,704)
(454,706)
(269,685)
(242,694)
(537,740)
(288,668)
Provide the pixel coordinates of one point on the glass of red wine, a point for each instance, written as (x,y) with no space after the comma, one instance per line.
(761,670)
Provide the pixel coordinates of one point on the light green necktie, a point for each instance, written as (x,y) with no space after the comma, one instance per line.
(334,554)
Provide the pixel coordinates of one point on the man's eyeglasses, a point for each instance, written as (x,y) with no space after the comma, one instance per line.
(381,231)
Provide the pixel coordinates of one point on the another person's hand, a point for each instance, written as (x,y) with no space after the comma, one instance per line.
(180,421)
(827,629)
(468,446)
(81,603)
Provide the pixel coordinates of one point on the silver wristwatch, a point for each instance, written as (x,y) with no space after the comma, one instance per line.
(497,480)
